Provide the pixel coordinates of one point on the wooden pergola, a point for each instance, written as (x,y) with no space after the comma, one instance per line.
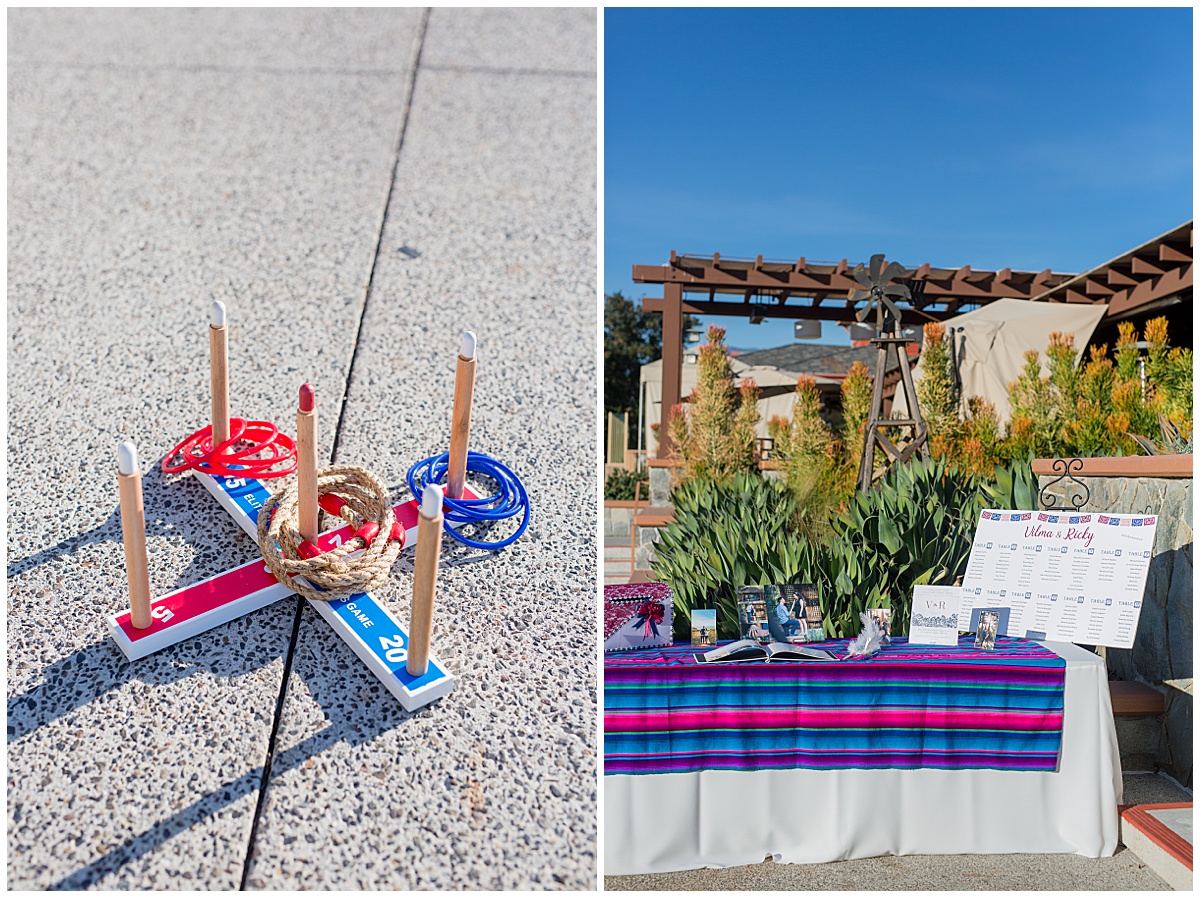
(1138,284)
(712,285)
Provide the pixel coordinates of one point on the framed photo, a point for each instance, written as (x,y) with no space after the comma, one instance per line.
(753,622)
(883,619)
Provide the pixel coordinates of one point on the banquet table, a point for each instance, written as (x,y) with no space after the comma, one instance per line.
(656,822)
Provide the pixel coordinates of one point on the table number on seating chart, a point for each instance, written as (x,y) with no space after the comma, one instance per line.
(1066,576)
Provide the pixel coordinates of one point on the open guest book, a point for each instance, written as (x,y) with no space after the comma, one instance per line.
(750,650)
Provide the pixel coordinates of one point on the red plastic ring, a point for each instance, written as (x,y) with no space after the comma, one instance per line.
(197,452)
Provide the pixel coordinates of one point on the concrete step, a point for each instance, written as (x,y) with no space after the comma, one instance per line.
(1161,836)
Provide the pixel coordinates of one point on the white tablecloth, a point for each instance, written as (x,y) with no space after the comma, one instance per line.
(716,818)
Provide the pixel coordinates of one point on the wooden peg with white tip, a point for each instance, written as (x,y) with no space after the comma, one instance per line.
(133,534)
(425,567)
(218,347)
(460,428)
(306,462)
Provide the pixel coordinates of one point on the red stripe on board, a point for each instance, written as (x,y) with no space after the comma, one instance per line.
(192,601)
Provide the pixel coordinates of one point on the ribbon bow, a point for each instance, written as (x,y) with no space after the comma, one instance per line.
(649,614)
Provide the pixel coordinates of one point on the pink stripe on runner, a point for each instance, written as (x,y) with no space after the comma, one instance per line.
(787,718)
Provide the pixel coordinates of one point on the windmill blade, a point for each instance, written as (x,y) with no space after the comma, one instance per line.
(862,315)
(857,296)
(892,308)
(893,270)
(876,264)
(861,276)
(897,290)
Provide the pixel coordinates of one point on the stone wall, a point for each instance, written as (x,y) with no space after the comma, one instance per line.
(618,523)
(660,485)
(1162,649)
(644,547)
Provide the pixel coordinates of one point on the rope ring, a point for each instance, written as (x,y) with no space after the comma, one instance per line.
(354,495)
(197,452)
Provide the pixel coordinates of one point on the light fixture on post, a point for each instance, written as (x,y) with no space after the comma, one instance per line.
(807,330)
(758,310)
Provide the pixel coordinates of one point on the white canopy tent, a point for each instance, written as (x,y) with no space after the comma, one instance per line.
(997,336)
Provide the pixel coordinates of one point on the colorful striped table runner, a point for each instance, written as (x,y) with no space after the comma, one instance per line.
(951,708)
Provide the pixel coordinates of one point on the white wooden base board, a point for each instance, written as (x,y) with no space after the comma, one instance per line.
(370,630)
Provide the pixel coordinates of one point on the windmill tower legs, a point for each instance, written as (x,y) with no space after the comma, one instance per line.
(876,422)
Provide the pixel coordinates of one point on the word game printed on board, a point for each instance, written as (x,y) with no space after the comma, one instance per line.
(1065,576)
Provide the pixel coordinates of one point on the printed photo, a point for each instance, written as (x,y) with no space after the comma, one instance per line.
(882,617)
(752,614)
(704,626)
(785,624)
(985,636)
(813,618)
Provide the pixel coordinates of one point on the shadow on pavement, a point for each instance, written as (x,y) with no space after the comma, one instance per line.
(79,679)
(391,715)
(167,497)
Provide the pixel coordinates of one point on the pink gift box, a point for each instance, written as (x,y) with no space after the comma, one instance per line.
(637,616)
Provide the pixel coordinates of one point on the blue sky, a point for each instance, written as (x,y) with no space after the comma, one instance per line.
(1020,138)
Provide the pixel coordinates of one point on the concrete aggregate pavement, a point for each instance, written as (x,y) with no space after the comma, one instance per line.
(968,873)
(160,159)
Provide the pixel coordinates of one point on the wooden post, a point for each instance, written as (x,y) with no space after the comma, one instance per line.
(672,359)
(218,349)
(460,427)
(133,534)
(306,463)
(425,566)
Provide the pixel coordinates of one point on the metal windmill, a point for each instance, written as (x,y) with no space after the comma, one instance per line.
(878,291)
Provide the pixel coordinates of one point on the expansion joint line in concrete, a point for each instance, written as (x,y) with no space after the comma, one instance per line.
(266,774)
(410,84)
(397,145)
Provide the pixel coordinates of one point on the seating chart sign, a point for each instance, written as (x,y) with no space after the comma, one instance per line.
(1065,576)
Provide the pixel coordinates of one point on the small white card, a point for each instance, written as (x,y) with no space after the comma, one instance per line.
(934,615)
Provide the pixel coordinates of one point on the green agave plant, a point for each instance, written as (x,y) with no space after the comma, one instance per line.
(913,528)
(1015,488)
(726,535)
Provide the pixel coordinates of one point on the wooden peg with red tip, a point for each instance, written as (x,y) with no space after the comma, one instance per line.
(306,462)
